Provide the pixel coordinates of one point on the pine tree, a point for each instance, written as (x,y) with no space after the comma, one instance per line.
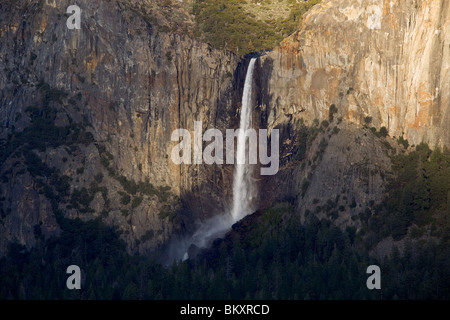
(131,292)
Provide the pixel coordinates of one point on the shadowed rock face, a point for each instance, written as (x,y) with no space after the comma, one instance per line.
(386,59)
(134,81)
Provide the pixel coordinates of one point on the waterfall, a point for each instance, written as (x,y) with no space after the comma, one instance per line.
(244,190)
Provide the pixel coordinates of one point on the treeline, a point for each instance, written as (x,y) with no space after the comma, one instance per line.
(273,259)
(418,197)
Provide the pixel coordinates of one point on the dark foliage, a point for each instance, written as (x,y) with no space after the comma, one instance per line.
(276,258)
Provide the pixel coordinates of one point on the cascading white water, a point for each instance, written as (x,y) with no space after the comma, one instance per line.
(244,190)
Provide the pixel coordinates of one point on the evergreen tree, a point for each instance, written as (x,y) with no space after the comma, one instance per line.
(131,292)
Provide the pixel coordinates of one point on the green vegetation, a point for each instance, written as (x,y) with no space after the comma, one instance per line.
(403,142)
(169,56)
(81,199)
(383,132)
(307,135)
(332,111)
(302,142)
(124,198)
(149,234)
(244,26)
(42,133)
(136,202)
(335,130)
(322,146)
(417,196)
(130,186)
(98,177)
(387,145)
(80,170)
(166,213)
(276,257)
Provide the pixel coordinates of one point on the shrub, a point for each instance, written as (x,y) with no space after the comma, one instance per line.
(383,132)
(302,142)
(333,215)
(368,120)
(149,234)
(104,161)
(403,142)
(165,213)
(129,186)
(124,198)
(136,202)
(387,145)
(81,197)
(335,130)
(332,111)
(98,177)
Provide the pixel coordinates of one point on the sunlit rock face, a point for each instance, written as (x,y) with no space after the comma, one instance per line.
(389,60)
(379,63)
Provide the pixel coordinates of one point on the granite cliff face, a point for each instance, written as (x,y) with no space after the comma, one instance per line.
(118,88)
(376,64)
(389,60)
(133,78)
